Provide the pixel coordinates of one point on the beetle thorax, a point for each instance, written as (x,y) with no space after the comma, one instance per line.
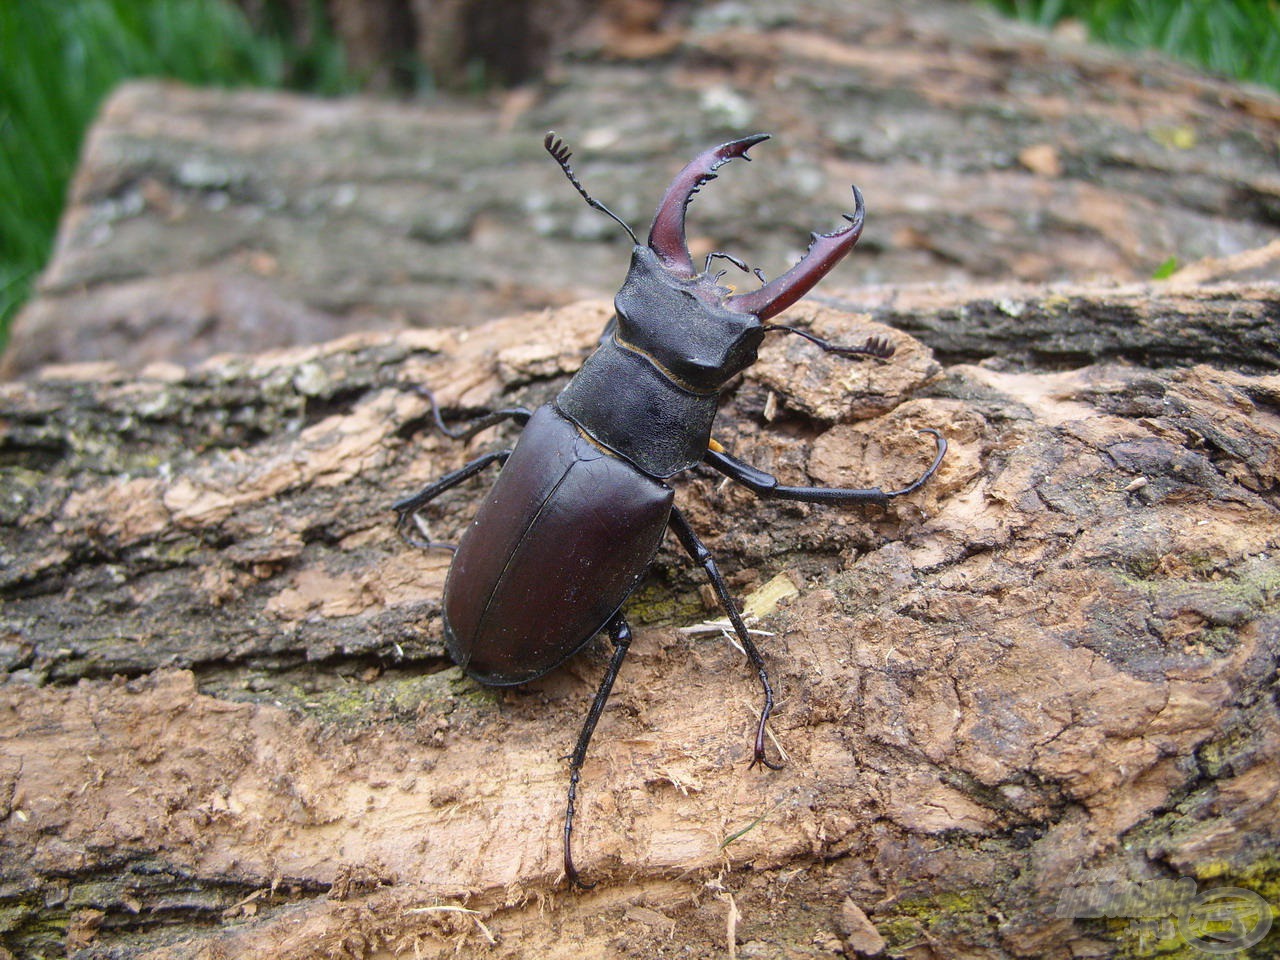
(682,325)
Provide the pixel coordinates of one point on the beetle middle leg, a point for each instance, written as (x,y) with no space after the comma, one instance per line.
(702,556)
(766,486)
(620,634)
(407,509)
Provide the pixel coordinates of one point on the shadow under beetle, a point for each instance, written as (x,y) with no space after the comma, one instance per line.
(582,503)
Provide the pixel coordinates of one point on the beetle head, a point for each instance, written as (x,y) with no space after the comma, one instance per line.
(698,329)
(683,323)
(700,332)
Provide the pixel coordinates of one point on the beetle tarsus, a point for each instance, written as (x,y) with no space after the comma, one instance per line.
(878,347)
(408,508)
(940,446)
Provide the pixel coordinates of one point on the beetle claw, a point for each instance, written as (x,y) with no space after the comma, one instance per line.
(575,880)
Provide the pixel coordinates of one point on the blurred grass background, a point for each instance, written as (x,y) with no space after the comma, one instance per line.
(60,58)
(1233,38)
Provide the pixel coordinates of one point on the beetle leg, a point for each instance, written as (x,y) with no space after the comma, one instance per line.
(520,415)
(766,486)
(878,347)
(620,634)
(702,556)
(408,508)
(736,261)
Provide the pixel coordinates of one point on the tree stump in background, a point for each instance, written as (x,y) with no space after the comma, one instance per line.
(207,221)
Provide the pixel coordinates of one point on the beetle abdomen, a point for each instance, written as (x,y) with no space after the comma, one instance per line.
(560,542)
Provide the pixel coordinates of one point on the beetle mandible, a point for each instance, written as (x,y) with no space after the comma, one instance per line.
(582,502)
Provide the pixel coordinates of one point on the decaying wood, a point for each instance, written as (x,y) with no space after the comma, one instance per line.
(1230,322)
(229,728)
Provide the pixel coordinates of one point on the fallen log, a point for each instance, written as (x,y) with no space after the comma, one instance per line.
(229,728)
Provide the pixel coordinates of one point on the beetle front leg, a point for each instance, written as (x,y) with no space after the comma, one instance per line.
(620,634)
(766,486)
(702,556)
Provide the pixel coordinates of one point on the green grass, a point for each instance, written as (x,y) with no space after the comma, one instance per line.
(1234,38)
(60,58)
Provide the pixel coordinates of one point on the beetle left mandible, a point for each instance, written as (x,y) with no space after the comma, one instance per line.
(582,502)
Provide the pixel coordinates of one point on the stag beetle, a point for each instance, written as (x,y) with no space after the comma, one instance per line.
(582,502)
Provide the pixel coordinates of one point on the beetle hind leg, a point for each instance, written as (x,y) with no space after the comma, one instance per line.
(702,556)
(620,634)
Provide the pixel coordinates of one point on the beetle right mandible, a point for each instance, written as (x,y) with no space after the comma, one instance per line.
(583,502)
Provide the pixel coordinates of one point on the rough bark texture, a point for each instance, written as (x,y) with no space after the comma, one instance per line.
(228,728)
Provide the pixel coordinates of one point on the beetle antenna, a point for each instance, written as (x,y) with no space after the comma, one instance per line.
(878,347)
(737,262)
(560,154)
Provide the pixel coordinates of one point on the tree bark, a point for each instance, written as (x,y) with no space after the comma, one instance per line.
(230,729)
(211,221)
